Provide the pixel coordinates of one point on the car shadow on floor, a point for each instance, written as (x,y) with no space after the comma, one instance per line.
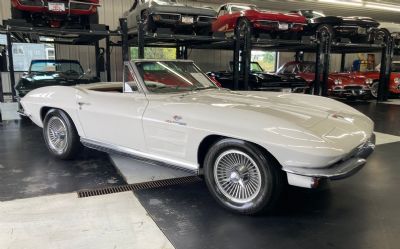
(27,169)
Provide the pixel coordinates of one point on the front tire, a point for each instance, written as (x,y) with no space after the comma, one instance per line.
(60,135)
(374,89)
(242,178)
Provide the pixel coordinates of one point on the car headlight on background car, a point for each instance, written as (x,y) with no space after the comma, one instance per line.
(397,80)
(338,81)
(369,81)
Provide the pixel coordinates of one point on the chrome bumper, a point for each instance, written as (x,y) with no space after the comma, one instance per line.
(353,162)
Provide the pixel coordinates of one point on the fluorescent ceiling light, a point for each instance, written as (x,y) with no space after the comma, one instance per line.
(389,7)
(357,3)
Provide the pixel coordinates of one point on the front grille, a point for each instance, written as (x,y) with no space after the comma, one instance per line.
(170,17)
(31,3)
(80,6)
(353,87)
(205,19)
(138,186)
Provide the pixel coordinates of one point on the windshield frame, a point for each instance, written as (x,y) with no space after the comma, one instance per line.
(55,62)
(134,65)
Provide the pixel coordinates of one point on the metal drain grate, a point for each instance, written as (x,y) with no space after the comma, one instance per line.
(138,186)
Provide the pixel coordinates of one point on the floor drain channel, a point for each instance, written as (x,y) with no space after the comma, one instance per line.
(138,186)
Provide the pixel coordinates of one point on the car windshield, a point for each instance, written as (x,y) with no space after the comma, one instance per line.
(307,68)
(64,67)
(312,14)
(236,8)
(255,67)
(173,76)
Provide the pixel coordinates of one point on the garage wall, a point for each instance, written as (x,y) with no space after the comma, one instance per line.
(5,9)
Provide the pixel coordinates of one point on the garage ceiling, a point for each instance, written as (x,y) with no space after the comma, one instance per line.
(329,7)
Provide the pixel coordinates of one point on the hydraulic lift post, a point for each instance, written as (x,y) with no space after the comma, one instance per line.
(386,66)
(236,58)
(108,58)
(11,66)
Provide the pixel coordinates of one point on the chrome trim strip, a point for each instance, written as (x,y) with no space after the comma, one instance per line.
(152,159)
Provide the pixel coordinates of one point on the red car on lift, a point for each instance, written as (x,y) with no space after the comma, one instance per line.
(59,13)
(343,85)
(231,15)
(394,84)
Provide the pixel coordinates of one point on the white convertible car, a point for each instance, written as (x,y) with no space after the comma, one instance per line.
(248,145)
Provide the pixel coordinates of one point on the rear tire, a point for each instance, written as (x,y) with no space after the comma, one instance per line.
(241,178)
(60,135)
(374,90)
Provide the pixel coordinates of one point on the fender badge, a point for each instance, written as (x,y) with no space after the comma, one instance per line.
(176,120)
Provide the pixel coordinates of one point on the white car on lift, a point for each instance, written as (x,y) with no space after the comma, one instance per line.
(248,145)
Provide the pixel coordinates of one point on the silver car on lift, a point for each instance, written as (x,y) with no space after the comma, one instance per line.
(170,14)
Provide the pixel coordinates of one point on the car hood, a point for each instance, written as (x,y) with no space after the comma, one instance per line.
(275,16)
(301,109)
(182,9)
(349,78)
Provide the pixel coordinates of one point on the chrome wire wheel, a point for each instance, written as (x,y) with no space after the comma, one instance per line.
(57,135)
(237,176)
(374,89)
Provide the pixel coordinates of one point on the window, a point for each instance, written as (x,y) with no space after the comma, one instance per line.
(130,82)
(155,53)
(266,59)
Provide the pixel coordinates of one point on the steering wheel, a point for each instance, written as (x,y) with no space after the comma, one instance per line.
(71,71)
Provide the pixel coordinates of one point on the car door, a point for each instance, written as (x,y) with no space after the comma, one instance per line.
(114,118)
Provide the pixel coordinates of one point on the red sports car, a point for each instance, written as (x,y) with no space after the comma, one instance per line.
(231,15)
(394,85)
(57,13)
(344,85)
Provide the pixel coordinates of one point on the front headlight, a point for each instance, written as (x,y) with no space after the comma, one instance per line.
(338,81)
(369,81)
(397,80)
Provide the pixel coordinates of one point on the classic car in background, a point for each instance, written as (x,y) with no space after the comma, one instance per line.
(170,14)
(57,13)
(394,84)
(51,73)
(231,15)
(343,85)
(248,144)
(262,81)
(357,29)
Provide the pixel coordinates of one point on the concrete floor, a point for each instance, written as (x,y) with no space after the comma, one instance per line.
(358,212)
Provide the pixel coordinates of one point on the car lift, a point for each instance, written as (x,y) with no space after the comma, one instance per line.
(241,45)
(17,31)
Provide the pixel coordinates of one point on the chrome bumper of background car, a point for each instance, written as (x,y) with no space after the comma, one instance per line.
(350,92)
(354,161)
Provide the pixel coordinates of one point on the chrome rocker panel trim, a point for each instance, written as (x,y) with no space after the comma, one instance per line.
(345,168)
(155,160)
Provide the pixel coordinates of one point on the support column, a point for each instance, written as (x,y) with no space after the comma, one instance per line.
(386,66)
(97,52)
(141,41)
(124,39)
(246,58)
(11,65)
(108,58)
(343,62)
(236,57)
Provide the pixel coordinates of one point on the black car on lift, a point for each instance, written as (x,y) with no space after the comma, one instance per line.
(50,73)
(259,80)
(355,28)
